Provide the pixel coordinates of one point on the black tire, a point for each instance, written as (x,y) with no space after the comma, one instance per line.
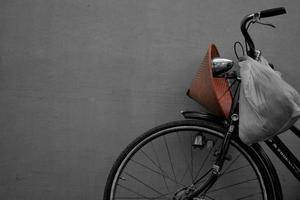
(269,186)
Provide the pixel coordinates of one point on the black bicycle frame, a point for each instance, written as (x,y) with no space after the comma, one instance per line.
(284,153)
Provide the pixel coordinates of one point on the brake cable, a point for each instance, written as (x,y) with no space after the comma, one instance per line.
(235,49)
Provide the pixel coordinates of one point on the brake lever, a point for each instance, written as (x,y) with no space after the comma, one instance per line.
(256,19)
(266,24)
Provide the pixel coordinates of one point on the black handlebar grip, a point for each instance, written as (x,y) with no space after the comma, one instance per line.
(272,12)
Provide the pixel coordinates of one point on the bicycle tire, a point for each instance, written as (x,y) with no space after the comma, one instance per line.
(269,186)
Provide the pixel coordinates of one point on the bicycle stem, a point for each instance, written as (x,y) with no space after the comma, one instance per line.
(247,37)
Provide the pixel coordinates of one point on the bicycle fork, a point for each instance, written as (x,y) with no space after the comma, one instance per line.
(217,167)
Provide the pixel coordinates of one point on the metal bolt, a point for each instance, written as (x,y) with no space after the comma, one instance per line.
(234,117)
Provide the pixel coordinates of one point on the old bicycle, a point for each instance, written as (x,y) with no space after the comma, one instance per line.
(202,157)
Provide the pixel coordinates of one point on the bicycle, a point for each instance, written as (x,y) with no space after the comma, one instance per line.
(202,157)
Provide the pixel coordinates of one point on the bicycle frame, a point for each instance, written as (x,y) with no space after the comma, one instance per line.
(284,153)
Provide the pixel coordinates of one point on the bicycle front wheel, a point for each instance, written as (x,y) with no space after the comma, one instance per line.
(166,160)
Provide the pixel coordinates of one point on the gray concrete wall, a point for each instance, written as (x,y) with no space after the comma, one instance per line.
(81,79)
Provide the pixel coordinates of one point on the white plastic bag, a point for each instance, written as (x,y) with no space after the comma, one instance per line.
(268,105)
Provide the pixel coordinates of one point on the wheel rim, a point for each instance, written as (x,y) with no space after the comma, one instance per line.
(160,165)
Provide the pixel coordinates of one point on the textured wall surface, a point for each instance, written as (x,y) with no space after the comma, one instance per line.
(80,79)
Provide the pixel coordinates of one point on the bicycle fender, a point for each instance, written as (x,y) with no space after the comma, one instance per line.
(203,116)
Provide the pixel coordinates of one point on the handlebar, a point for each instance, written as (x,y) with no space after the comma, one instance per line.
(254,17)
(272,12)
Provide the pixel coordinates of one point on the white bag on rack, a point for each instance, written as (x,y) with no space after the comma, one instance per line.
(268,105)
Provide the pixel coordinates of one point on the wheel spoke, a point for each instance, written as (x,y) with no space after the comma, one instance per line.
(160,168)
(169,156)
(130,190)
(210,197)
(236,169)
(185,158)
(150,159)
(163,196)
(185,172)
(154,171)
(228,167)
(159,197)
(248,196)
(232,185)
(203,163)
(143,183)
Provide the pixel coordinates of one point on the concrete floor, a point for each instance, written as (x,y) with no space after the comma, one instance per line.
(81,79)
